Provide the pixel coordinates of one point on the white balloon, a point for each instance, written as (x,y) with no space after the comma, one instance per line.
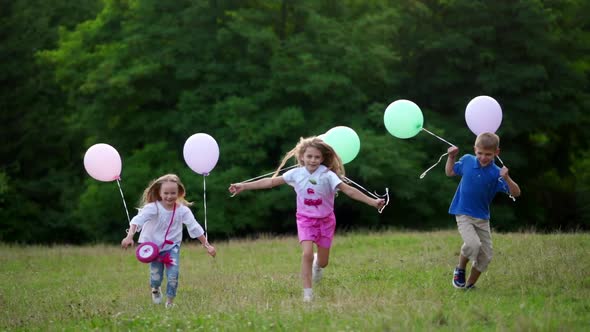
(103,162)
(201,153)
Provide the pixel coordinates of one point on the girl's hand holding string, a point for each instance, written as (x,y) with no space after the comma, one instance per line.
(379,203)
(127,242)
(236,188)
(210,249)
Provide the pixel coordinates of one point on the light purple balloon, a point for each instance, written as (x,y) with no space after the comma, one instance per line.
(103,162)
(483,114)
(201,153)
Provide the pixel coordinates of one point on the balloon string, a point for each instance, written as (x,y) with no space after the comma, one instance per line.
(267,174)
(431,167)
(440,158)
(513,198)
(440,138)
(205,203)
(509,195)
(360,187)
(386,195)
(124,204)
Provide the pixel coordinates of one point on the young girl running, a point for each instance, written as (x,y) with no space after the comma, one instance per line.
(316,182)
(164,210)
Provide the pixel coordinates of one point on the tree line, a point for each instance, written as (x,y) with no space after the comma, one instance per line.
(143,76)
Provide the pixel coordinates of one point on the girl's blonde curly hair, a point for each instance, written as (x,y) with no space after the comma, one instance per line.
(152,192)
(331,159)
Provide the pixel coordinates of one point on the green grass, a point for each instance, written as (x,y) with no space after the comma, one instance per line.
(390,281)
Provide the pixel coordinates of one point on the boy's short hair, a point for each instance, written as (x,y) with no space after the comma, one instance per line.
(487,141)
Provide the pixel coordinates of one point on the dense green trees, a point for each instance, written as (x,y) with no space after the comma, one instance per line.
(256,75)
(40,176)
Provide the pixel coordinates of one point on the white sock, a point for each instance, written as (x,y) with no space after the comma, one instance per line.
(307,292)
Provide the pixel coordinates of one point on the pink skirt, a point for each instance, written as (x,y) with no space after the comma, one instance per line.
(318,230)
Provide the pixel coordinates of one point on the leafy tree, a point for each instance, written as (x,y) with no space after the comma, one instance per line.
(145,75)
(38,166)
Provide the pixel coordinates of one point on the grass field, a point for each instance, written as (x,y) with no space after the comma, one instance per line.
(389,281)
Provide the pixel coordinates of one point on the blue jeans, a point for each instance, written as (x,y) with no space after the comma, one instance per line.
(157,272)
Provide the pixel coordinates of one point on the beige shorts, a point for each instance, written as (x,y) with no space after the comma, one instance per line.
(477,241)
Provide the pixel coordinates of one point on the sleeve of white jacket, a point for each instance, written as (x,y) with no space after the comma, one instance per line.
(146,213)
(194,229)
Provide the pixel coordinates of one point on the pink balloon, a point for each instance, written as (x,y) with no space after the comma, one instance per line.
(201,153)
(483,114)
(103,162)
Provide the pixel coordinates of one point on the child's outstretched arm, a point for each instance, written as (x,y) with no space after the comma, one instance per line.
(512,186)
(266,183)
(128,240)
(359,196)
(452,151)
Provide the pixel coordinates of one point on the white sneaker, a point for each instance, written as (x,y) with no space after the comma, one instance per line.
(156,296)
(307,295)
(170,305)
(316,271)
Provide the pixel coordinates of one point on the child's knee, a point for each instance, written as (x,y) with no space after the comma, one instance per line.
(471,249)
(483,259)
(482,264)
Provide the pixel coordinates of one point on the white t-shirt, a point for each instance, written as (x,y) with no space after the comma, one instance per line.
(315,191)
(153,220)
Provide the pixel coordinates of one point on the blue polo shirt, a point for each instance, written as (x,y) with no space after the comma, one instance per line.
(478,187)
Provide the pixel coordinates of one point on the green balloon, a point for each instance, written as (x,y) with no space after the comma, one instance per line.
(403,119)
(344,141)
